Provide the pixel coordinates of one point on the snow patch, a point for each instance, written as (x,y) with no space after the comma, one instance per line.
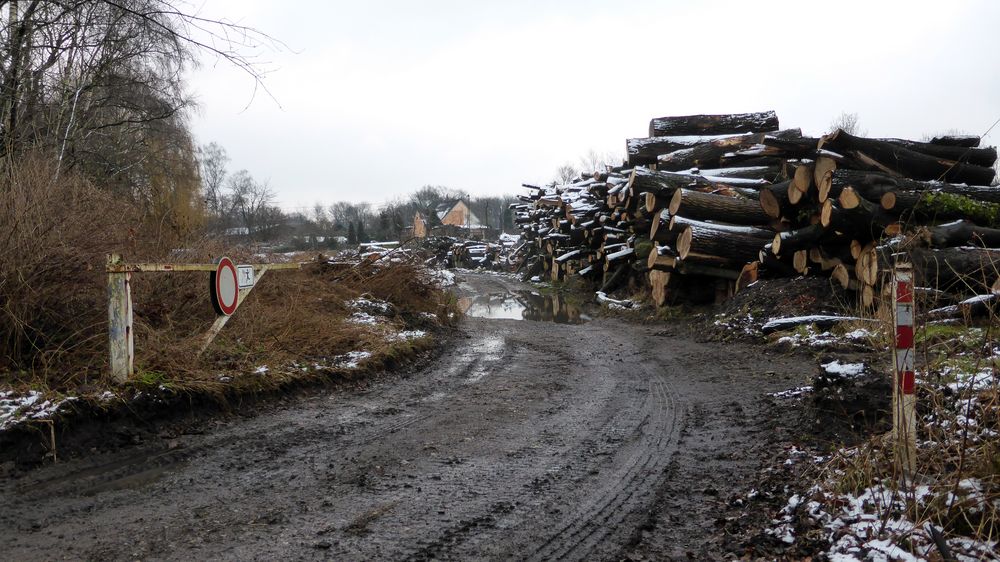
(351,360)
(15,409)
(792,392)
(407,335)
(844,369)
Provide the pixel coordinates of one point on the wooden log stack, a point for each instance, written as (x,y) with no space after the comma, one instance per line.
(707,204)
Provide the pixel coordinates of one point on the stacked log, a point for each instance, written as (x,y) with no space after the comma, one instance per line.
(721,200)
(473,254)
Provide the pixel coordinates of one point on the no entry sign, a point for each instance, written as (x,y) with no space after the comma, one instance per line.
(225,287)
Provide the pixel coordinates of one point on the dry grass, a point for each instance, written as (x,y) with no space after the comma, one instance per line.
(55,235)
(958,484)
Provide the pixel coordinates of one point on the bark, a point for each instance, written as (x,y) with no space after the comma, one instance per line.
(767,173)
(961,233)
(709,154)
(722,269)
(789,242)
(957,140)
(615,279)
(820,321)
(979,306)
(709,206)
(663,184)
(860,221)
(740,246)
(713,124)
(644,151)
(959,270)
(872,186)
(938,205)
(979,156)
(907,162)
(803,147)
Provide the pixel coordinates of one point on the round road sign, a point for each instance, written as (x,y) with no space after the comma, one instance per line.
(225,288)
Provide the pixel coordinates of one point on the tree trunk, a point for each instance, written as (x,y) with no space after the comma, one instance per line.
(979,156)
(709,154)
(873,185)
(961,233)
(663,184)
(960,270)
(709,206)
(768,173)
(713,124)
(908,162)
(787,243)
(740,245)
(957,140)
(937,205)
(644,151)
(803,147)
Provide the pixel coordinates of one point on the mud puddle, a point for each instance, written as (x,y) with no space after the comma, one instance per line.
(523,305)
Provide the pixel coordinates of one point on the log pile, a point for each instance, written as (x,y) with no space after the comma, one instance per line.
(707,204)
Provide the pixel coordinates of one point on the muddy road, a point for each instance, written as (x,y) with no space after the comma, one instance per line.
(537,440)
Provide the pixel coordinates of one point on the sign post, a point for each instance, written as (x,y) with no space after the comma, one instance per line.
(120,336)
(229,286)
(904,398)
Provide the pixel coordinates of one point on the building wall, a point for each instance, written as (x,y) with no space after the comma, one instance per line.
(419,226)
(457,216)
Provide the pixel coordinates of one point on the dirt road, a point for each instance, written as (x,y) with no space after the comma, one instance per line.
(526,439)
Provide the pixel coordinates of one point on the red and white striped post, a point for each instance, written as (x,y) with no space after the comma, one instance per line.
(904,398)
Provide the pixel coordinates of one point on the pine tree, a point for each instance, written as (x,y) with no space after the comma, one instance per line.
(352,236)
(362,237)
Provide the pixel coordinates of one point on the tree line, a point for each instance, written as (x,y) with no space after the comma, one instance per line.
(239,206)
(94,89)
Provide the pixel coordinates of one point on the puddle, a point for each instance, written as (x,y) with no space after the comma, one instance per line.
(523,305)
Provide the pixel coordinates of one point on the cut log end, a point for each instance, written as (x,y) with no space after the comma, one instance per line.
(684,242)
(849,198)
(803,178)
(800,261)
(823,176)
(888,200)
(794,195)
(841,275)
(658,281)
(749,275)
(770,205)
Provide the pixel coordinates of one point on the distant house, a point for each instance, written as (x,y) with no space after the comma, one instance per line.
(420,226)
(457,213)
(454,218)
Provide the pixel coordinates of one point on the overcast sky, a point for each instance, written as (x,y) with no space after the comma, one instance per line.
(373,99)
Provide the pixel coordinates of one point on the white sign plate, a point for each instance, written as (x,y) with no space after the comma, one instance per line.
(245,276)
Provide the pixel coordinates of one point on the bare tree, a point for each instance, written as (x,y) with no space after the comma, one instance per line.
(566,173)
(251,202)
(849,123)
(594,160)
(212,161)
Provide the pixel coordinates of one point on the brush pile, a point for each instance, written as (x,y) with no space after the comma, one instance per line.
(708,204)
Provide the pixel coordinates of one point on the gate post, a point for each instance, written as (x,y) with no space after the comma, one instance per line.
(904,398)
(120,333)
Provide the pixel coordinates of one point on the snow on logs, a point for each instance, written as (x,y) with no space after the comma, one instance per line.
(732,198)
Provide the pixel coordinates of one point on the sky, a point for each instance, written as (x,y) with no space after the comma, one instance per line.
(370,100)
